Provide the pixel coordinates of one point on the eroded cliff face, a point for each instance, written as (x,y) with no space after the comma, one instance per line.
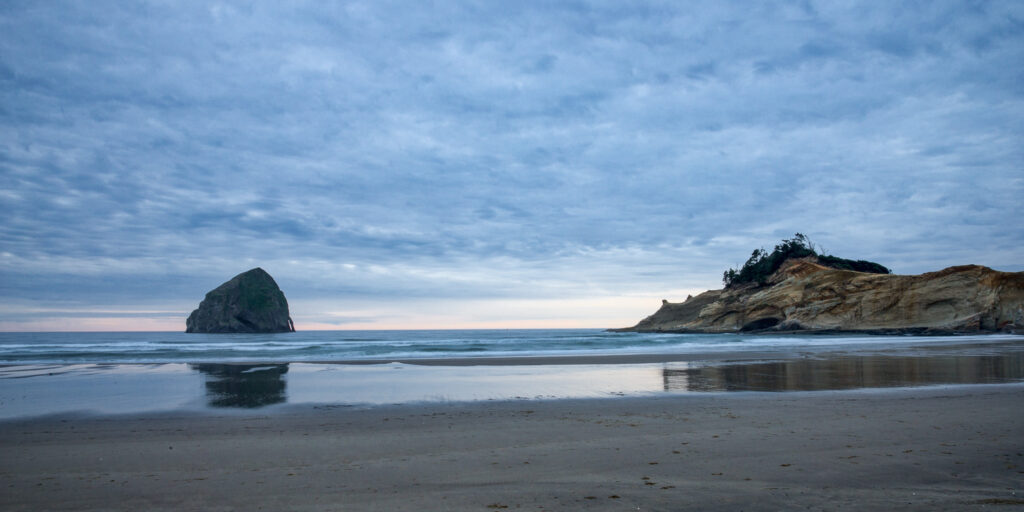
(803,295)
(250,302)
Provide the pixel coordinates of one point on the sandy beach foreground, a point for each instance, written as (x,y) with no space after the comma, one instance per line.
(944,448)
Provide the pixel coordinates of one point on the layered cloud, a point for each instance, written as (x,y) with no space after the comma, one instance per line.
(395,154)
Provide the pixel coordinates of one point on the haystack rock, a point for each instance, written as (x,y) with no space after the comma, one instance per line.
(806,296)
(250,302)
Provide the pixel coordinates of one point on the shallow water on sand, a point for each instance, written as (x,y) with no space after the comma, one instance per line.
(39,389)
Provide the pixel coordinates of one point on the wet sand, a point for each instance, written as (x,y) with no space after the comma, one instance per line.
(937,448)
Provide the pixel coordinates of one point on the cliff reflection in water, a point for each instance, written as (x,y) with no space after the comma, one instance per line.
(243,385)
(849,372)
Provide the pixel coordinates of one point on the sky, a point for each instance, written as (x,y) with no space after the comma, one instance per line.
(490,164)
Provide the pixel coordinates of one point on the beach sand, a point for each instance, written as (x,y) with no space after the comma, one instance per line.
(939,448)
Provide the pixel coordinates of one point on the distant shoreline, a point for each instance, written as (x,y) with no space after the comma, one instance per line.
(903,331)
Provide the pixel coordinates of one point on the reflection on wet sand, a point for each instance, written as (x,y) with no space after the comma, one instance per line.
(243,385)
(849,372)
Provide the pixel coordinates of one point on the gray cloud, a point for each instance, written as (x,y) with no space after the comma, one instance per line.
(494,151)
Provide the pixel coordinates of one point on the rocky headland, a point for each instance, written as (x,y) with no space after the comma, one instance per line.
(805,295)
(250,302)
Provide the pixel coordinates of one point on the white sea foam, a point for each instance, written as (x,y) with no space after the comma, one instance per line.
(44,348)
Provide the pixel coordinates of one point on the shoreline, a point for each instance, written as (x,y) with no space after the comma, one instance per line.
(28,390)
(945,448)
(922,332)
(943,344)
(526,360)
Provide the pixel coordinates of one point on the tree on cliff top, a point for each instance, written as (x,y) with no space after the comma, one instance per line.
(762,264)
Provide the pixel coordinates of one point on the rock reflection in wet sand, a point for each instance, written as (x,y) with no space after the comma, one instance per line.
(848,372)
(243,385)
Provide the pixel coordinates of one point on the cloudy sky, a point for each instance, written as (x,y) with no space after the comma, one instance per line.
(490,164)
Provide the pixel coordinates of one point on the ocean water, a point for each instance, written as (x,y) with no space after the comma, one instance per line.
(127,373)
(355,346)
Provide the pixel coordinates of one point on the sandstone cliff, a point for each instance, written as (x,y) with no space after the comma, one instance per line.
(803,295)
(248,303)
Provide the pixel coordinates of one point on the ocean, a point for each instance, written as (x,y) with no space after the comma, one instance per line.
(69,374)
(355,346)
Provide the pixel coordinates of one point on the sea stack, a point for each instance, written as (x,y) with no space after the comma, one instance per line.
(250,302)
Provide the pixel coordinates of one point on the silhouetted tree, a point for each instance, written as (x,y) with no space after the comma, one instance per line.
(762,264)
